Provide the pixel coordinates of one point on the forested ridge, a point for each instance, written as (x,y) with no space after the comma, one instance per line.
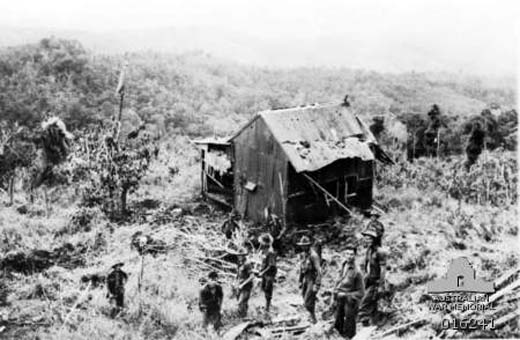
(197,94)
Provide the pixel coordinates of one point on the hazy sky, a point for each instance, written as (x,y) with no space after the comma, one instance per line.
(489,28)
(302,17)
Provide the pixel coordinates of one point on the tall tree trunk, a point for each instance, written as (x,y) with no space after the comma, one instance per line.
(124,194)
(438,142)
(47,203)
(11,189)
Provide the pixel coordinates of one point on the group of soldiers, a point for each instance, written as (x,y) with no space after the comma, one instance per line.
(354,295)
(355,291)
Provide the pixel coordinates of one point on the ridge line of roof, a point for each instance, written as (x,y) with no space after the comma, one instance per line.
(295,108)
(264,112)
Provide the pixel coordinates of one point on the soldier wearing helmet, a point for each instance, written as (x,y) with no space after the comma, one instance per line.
(374,276)
(376,225)
(310,276)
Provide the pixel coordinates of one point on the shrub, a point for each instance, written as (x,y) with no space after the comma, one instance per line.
(492,180)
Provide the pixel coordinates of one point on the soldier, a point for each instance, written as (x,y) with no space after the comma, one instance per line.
(244,279)
(310,276)
(348,292)
(317,246)
(231,224)
(276,228)
(268,270)
(376,225)
(210,301)
(116,281)
(274,225)
(374,269)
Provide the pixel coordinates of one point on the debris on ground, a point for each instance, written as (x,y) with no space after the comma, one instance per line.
(37,260)
(145,244)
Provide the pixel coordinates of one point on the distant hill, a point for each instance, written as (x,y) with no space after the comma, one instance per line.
(378,53)
(199,94)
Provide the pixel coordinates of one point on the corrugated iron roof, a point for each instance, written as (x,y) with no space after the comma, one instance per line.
(317,135)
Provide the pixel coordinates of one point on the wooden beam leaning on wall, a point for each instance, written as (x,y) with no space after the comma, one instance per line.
(327,193)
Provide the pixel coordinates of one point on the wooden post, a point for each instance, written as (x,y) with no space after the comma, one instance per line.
(46,199)
(203,188)
(284,202)
(140,279)
(11,189)
(140,283)
(121,91)
(438,142)
(413,146)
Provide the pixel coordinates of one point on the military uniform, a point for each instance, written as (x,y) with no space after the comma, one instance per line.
(375,259)
(230,226)
(210,303)
(268,278)
(349,291)
(245,271)
(310,277)
(378,227)
(116,281)
(268,269)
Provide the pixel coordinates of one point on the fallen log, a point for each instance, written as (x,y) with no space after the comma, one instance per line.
(400,327)
(504,291)
(235,331)
(498,311)
(290,329)
(502,321)
(506,277)
(292,318)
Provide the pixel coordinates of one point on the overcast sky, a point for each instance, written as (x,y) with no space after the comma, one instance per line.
(489,28)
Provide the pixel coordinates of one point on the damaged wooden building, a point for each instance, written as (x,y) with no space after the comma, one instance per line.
(303,164)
